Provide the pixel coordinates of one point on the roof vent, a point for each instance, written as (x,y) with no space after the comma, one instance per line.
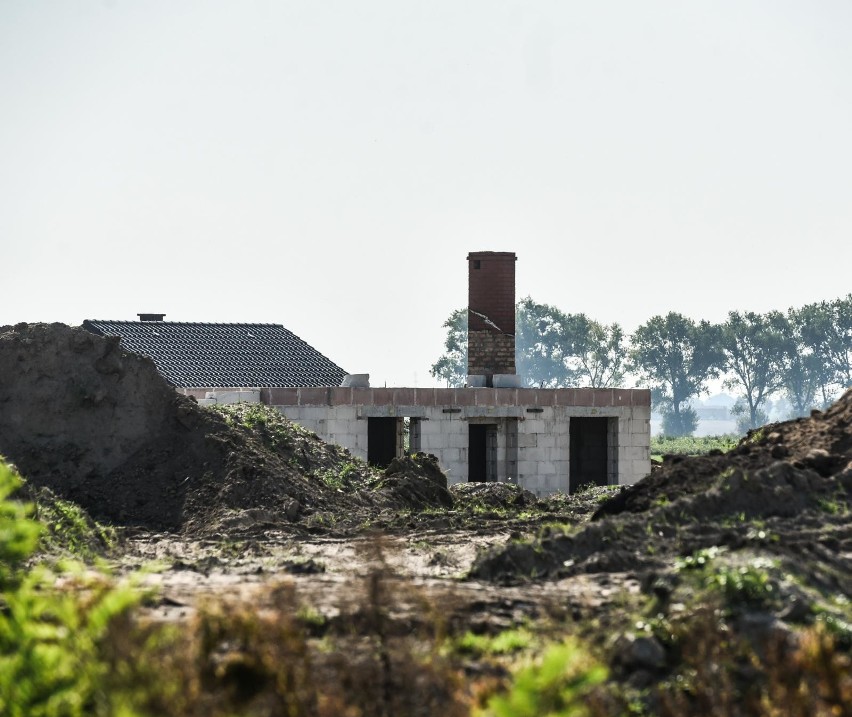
(356,380)
(151,317)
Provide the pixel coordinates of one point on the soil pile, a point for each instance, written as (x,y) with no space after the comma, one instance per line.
(100,427)
(821,444)
(494,495)
(415,482)
(786,490)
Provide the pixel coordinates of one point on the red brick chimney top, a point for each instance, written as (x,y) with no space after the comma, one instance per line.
(491,313)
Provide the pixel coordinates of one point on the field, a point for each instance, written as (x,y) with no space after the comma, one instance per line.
(691,445)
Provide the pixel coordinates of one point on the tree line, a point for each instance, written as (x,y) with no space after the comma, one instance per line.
(803,355)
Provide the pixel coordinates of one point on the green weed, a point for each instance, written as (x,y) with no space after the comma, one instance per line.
(503,643)
(557,685)
(69,529)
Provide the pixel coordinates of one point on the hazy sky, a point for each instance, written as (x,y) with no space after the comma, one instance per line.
(328,165)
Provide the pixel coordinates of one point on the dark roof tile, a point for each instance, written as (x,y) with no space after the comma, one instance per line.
(224,355)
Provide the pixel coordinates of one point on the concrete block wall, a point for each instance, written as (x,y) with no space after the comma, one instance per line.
(634,446)
(334,424)
(543,452)
(533,425)
(446,437)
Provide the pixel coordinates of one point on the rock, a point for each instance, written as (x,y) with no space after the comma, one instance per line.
(766,632)
(845,477)
(820,460)
(779,451)
(796,610)
(292,510)
(187,415)
(639,653)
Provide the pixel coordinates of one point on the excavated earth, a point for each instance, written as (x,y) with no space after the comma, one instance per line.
(99,426)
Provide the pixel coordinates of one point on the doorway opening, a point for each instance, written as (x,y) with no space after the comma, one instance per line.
(384,440)
(482,452)
(590,453)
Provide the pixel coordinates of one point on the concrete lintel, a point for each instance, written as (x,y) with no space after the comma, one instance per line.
(493,412)
(389,411)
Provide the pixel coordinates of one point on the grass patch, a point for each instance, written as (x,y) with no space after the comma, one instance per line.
(68,529)
(691,445)
(503,643)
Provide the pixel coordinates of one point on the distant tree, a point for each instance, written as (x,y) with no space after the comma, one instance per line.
(597,352)
(803,371)
(452,364)
(753,358)
(555,349)
(540,345)
(745,421)
(826,329)
(675,357)
(682,423)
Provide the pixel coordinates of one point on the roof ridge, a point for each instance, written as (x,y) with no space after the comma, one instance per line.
(181,323)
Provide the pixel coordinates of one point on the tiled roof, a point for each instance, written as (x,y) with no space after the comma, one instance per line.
(224,355)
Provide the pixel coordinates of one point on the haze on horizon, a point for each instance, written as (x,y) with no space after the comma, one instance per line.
(328,166)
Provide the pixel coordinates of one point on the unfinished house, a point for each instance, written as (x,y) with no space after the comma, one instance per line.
(494,429)
(546,440)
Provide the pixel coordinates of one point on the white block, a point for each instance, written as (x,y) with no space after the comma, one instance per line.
(527,440)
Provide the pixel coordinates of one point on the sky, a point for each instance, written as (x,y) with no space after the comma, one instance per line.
(328,165)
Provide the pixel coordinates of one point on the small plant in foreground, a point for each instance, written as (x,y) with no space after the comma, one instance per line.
(557,685)
(51,626)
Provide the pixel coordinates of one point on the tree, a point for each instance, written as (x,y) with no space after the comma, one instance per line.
(753,349)
(676,357)
(745,419)
(540,345)
(452,365)
(826,330)
(803,371)
(597,352)
(555,349)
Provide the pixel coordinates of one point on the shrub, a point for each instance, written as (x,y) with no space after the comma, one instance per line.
(51,625)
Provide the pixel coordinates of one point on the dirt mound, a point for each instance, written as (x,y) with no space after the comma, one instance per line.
(493,495)
(786,489)
(821,443)
(415,482)
(100,427)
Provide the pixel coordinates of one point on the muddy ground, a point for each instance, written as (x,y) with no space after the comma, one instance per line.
(235,502)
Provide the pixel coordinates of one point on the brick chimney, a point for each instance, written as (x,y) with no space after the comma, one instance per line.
(491,317)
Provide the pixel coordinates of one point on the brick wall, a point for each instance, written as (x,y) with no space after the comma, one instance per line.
(491,293)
